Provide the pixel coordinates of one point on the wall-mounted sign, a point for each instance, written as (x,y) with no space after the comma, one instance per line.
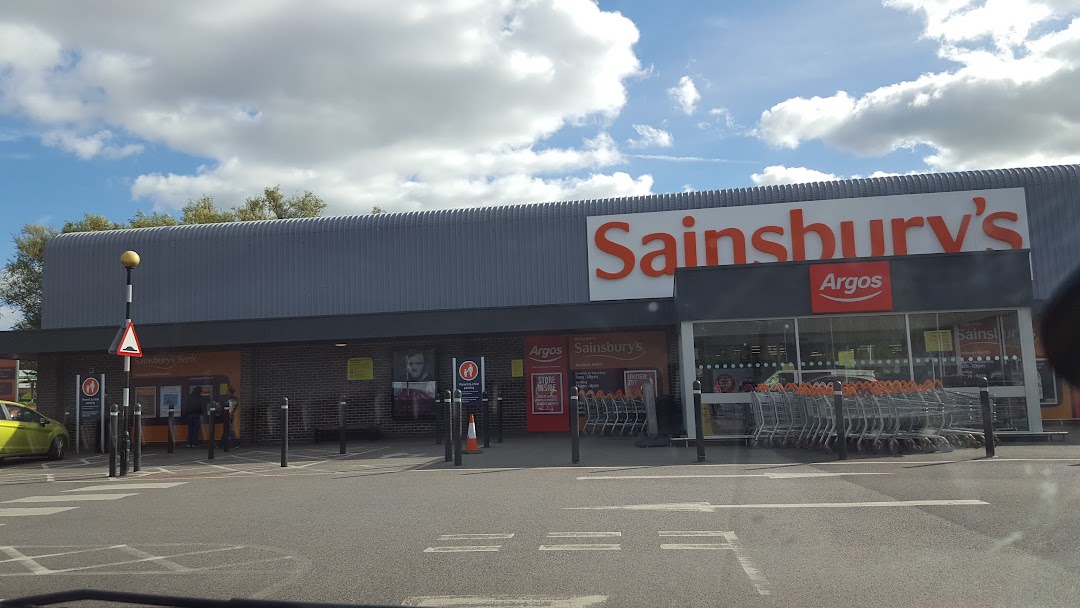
(545,373)
(517,368)
(850,287)
(9,379)
(360,368)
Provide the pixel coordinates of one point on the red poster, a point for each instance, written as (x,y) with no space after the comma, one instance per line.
(545,372)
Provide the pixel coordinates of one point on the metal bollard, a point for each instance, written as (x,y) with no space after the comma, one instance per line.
(575,427)
(841,430)
(341,429)
(487,421)
(439,413)
(226,427)
(498,420)
(988,417)
(137,457)
(699,425)
(213,431)
(172,430)
(285,433)
(456,423)
(448,426)
(114,413)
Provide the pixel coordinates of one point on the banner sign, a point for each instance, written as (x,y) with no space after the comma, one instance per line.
(600,362)
(469,379)
(90,390)
(545,372)
(9,379)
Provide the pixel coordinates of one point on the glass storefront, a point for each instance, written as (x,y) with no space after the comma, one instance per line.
(736,356)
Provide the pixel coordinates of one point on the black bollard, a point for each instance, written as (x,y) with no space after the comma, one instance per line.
(487,421)
(841,430)
(448,425)
(699,426)
(575,427)
(172,430)
(285,433)
(498,419)
(341,425)
(456,422)
(114,413)
(137,457)
(438,419)
(988,417)
(213,431)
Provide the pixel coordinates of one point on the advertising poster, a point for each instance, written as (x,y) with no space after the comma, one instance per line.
(170,398)
(546,372)
(9,379)
(414,389)
(635,380)
(599,362)
(212,372)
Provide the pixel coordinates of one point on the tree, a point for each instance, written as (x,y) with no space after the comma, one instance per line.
(376,210)
(23,275)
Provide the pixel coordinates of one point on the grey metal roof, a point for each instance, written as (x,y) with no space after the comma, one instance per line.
(442,260)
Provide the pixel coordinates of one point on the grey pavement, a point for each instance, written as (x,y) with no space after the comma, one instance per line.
(519,526)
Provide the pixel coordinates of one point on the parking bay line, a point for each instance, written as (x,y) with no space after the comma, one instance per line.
(32,511)
(133,486)
(445,537)
(584,547)
(463,549)
(583,534)
(730,476)
(70,498)
(695,546)
(704,507)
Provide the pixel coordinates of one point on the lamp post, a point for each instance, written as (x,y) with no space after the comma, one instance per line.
(129,259)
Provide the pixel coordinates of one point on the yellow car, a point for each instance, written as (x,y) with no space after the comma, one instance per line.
(24,432)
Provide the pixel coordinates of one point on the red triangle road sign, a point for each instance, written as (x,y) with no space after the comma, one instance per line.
(126,343)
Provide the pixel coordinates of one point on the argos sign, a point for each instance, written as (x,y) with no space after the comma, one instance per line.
(635,255)
(850,287)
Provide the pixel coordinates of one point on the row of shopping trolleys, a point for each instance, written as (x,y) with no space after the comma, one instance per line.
(878,416)
(613,414)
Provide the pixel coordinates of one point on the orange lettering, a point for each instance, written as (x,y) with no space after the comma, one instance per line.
(1006,235)
(614,249)
(900,227)
(798,237)
(769,247)
(669,252)
(877,238)
(690,242)
(941,231)
(847,239)
(738,245)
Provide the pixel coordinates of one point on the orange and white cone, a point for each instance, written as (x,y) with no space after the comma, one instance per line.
(471,446)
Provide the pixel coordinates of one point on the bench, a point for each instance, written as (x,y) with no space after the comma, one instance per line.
(362,430)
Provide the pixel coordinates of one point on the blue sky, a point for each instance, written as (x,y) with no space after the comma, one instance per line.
(125,106)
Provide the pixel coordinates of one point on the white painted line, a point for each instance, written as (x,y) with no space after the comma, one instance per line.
(218,466)
(71,498)
(696,546)
(29,562)
(704,507)
(132,486)
(146,559)
(756,576)
(139,553)
(528,601)
(996,459)
(32,511)
(164,470)
(728,476)
(583,534)
(475,536)
(49,477)
(690,533)
(463,549)
(65,553)
(588,547)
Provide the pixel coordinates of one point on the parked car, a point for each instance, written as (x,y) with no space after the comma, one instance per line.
(25,432)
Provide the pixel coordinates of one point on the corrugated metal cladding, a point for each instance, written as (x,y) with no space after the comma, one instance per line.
(439,260)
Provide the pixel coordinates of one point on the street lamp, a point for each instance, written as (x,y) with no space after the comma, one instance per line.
(130,260)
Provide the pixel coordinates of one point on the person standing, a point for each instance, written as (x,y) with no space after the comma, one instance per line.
(193,411)
(228,435)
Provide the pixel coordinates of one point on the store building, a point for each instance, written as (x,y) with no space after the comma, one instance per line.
(906,277)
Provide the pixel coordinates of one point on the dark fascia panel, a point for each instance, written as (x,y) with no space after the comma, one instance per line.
(592,316)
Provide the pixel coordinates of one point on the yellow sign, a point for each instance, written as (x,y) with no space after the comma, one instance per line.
(939,340)
(517,368)
(361,368)
(706,420)
(846,358)
(223,389)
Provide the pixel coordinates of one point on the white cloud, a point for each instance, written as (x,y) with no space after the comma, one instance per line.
(776,175)
(685,95)
(1007,102)
(406,104)
(651,137)
(90,146)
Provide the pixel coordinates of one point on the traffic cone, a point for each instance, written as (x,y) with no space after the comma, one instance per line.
(471,447)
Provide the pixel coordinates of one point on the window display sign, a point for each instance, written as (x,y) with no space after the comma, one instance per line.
(635,380)
(9,379)
(938,340)
(170,398)
(599,361)
(545,371)
(414,384)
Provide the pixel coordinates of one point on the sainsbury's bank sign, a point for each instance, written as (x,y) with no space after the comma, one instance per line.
(634,256)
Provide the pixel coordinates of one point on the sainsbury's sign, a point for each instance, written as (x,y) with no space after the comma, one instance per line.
(635,255)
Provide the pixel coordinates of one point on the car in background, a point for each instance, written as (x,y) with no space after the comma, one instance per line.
(25,432)
(827,376)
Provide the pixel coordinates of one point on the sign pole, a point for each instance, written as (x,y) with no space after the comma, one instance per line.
(78,411)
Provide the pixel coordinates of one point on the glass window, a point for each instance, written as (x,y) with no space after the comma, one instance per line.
(853,348)
(735,356)
(959,347)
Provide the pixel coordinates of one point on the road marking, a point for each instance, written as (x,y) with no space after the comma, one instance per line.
(145,559)
(150,557)
(62,553)
(528,601)
(583,534)
(49,477)
(475,536)
(164,470)
(32,511)
(728,476)
(704,507)
(695,546)
(463,549)
(71,498)
(25,560)
(756,576)
(996,459)
(132,486)
(588,547)
(688,533)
